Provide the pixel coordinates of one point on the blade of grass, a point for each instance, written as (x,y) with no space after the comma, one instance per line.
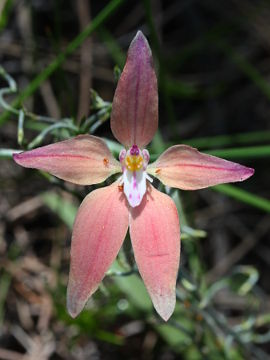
(73,45)
(225,140)
(5,10)
(245,152)
(244,196)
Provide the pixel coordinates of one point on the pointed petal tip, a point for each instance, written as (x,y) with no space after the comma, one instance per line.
(72,313)
(244,172)
(157,251)
(140,36)
(17,157)
(82,160)
(248,173)
(99,230)
(164,305)
(21,159)
(186,168)
(139,33)
(73,307)
(134,117)
(75,302)
(140,41)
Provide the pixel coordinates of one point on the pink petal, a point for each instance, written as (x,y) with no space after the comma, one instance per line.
(184,167)
(83,160)
(134,117)
(99,231)
(155,236)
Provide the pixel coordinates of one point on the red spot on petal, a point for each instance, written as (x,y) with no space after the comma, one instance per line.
(121,188)
(106,162)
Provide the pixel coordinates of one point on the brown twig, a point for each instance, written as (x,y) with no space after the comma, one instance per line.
(10,355)
(50,101)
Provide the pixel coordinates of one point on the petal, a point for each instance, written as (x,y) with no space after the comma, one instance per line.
(134,186)
(155,236)
(83,160)
(134,117)
(99,231)
(184,167)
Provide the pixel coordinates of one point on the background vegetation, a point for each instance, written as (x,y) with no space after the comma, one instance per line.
(213,62)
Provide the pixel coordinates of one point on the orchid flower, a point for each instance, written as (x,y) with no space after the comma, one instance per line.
(131,201)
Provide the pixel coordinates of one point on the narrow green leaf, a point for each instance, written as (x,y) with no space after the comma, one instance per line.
(245,152)
(225,140)
(4,15)
(175,337)
(244,196)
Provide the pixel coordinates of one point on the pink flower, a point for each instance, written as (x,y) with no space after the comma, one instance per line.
(105,214)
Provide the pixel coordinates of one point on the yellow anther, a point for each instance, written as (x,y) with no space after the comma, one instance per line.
(134,162)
